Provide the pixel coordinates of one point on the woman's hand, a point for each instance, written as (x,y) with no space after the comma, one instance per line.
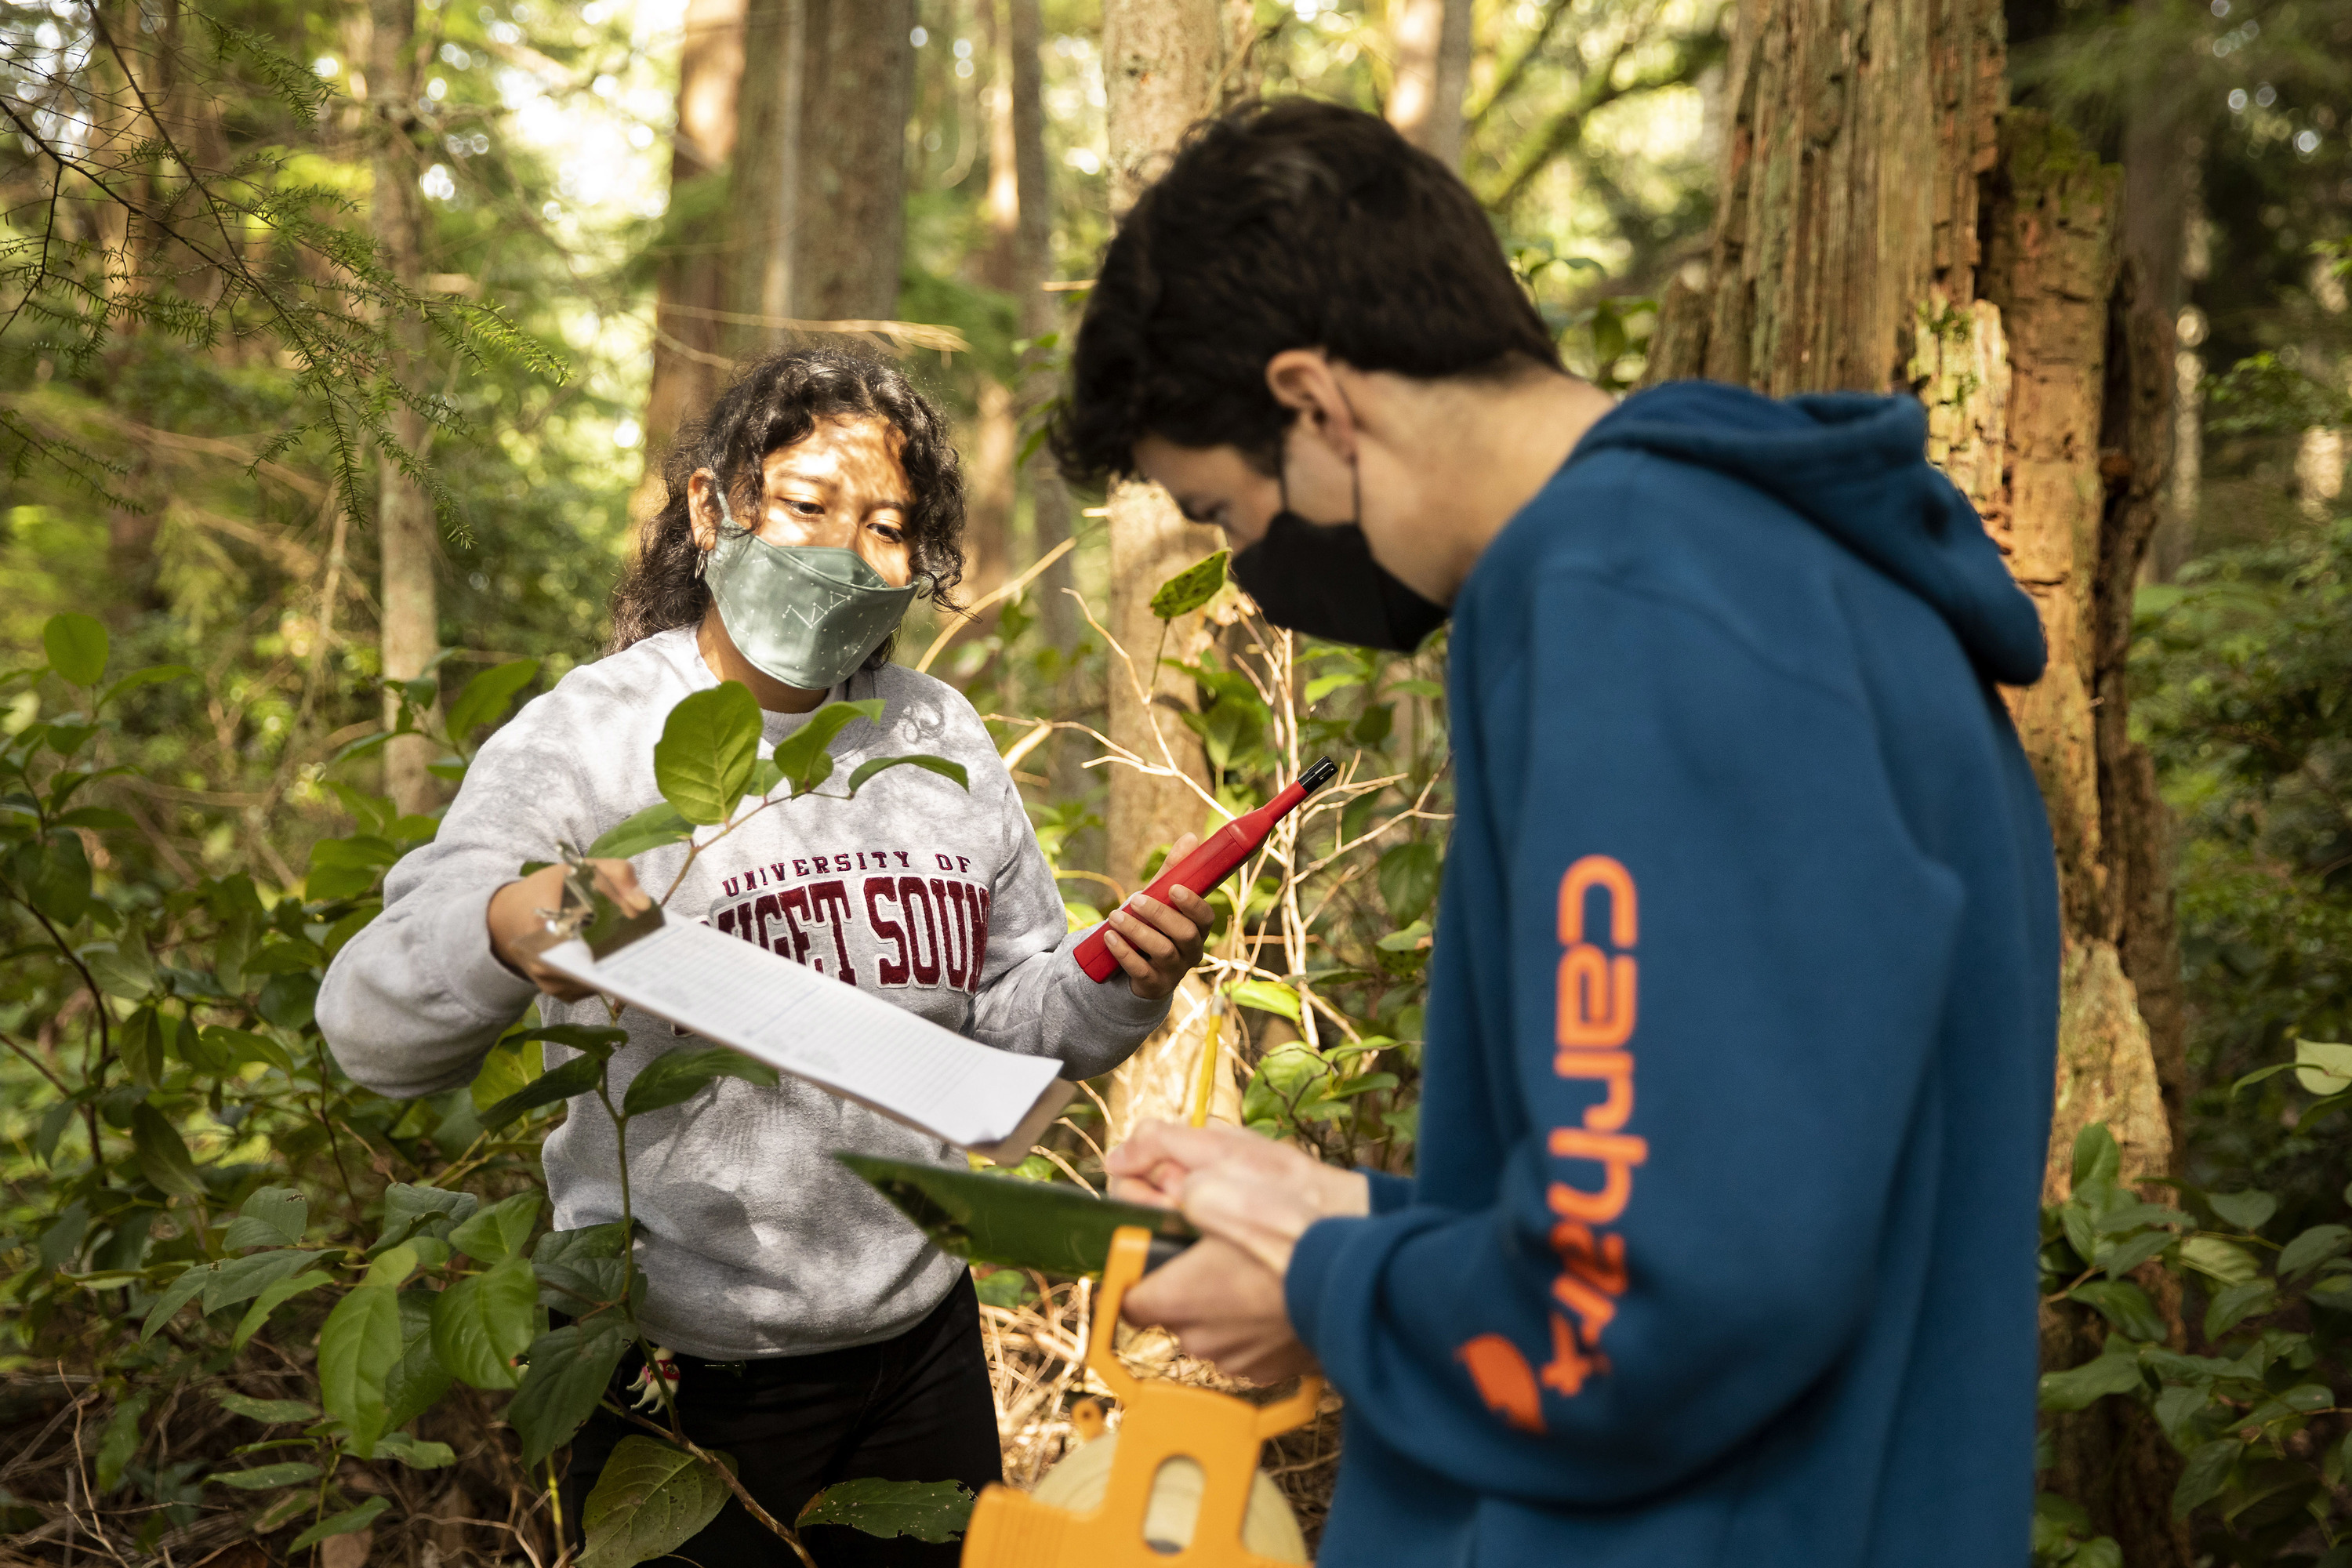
(515,918)
(1158,944)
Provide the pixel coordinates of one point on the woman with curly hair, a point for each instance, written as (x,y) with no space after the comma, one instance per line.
(816,1336)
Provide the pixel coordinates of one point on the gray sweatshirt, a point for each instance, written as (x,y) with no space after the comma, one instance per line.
(754,1242)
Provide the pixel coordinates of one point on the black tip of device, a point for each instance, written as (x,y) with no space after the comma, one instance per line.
(1323,771)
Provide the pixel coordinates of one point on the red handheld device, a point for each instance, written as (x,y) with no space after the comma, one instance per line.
(1214,859)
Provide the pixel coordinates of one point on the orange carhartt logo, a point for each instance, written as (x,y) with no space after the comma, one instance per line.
(1597,1009)
(1503,1381)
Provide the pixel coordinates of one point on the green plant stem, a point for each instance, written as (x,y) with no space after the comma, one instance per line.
(629,1253)
(96,1070)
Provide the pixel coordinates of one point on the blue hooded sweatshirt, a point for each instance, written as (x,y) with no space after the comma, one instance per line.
(1741,1030)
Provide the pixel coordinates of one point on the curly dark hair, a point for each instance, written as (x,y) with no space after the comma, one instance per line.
(1280,225)
(774,404)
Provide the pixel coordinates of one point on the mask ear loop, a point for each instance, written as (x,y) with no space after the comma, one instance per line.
(725,521)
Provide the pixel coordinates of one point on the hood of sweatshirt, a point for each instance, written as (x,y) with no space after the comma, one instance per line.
(1854,465)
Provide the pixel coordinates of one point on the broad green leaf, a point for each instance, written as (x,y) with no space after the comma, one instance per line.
(2096,1159)
(241,1279)
(480,1325)
(415,1452)
(2115,1372)
(675,1075)
(2247,1211)
(163,1154)
(703,759)
(1190,589)
(2218,1260)
(275,1412)
(649,829)
(121,967)
(357,1348)
(499,1230)
(2233,1304)
(595,1040)
(290,1474)
(76,645)
(417,1380)
(2125,1305)
(1267,996)
(407,1206)
(1408,880)
(569,1371)
(486,695)
(1322,686)
(803,758)
(2323,1068)
(511,1064)
(140,1043)
(577,1076)
(2313,1248)
(342,1524)
(953,772)
(152,675)
(2177,1406)
(119,1441)
(2202,1478)
(935,1511)
(346,868)
(178,1294)
(270,1298)
(651,1499)
(272,1217)
(54,872)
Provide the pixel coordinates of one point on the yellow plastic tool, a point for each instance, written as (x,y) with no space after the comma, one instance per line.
(1164,1421)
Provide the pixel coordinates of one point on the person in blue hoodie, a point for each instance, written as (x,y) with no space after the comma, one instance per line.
(1720,1243)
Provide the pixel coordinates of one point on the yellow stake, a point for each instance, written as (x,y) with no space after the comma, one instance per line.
(1208,1084)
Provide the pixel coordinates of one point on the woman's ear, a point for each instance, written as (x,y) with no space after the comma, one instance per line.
(1304,379)
(702,510)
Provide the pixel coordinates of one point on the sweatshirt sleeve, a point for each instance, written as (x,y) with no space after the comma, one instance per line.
(1689,971)
(413,1002)
(1033,998)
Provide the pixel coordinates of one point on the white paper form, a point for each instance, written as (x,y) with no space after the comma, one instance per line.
(836,1037)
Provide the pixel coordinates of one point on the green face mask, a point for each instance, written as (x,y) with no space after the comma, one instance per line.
(806,615)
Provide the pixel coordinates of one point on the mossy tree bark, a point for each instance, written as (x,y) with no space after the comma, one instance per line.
(691,285)
(1161,63)
(1970,255)
(408,545)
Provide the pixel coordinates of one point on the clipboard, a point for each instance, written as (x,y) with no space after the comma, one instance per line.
(1017,1223)
(822,1030)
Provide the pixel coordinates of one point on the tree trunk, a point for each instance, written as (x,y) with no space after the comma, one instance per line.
(1160,66)
(851,229)
(690,288)
(1049,503)
(1433,66)
(995,448)
(407,544)
(819,183)
(1970,254)
(764,183)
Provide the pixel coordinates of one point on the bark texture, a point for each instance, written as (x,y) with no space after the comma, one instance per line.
(407,543)
(1433,67)
(1161,64)
(690,287)
(1978,257)
(818,187)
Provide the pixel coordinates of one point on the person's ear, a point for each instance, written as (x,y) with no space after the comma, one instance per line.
(1305,379)
(702,510)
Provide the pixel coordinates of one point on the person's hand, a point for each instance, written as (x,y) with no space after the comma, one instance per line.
(1252,1199)
(514,918)
(1158,944)
(1223,1306)
(1259,1194)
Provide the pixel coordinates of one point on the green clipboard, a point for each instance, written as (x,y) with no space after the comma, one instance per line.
(1015,1222)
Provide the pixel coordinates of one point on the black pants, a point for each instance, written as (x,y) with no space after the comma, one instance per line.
(914,1408)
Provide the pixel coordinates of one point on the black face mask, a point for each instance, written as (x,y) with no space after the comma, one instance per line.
(1322,580)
